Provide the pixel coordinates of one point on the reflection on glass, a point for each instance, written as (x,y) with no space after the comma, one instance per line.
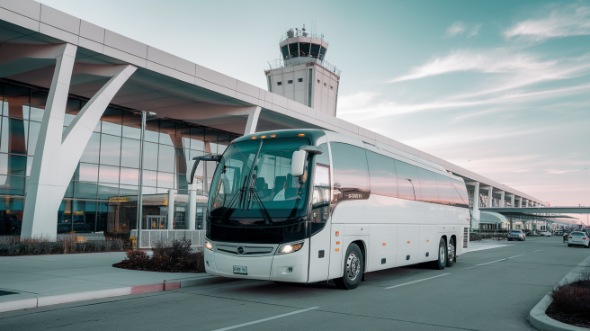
(32,135)
(150,156)
(85,190)
(130,153)
(166,180)
(108,174)
(150,178)
(110,149)
(92,151)
(166,159)
(88,172)
(129,176)
(4,138)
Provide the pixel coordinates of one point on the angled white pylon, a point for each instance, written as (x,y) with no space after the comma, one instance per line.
(58,153)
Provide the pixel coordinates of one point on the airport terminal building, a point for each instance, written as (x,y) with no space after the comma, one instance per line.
(92,121)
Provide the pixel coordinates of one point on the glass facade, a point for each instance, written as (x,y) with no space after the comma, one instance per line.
(109,167)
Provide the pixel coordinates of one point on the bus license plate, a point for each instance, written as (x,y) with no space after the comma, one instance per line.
(240,270)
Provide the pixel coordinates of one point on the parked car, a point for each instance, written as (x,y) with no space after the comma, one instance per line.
(545,233)
(516,235)
(578,238)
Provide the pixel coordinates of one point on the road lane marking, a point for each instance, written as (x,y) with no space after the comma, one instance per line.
(492,262)
(538,250)
(266,319)
(416,281)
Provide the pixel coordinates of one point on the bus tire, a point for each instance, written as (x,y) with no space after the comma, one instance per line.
(353,268)
(442,254)
(451,252)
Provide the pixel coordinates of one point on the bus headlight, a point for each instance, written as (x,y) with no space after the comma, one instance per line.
(290,248)
(208,245)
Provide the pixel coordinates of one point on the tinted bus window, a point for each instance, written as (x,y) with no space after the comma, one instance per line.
(382,172)
(407,181)
(428,187)
(446,191)
(351,174)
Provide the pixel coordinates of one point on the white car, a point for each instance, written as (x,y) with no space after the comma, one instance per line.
(545,233)
(578,238)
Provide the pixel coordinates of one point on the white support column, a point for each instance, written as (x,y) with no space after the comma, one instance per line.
(502,197)
(171,202)
(252,120)
(489,203)
(475,215)
(57,153)
(512,201)
(192,206)
(520,203)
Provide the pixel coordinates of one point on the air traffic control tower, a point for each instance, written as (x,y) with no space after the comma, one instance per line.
(302,74)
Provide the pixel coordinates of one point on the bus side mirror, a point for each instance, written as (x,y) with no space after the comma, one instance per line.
(298,163)
(190,175)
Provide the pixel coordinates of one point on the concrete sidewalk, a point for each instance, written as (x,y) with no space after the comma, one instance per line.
(41,280)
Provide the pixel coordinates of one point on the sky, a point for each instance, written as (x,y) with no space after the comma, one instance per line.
(501,87)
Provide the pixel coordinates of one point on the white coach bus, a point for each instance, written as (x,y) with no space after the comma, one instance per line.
(312,205)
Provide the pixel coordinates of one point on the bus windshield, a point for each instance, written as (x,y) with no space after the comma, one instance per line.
(253,185)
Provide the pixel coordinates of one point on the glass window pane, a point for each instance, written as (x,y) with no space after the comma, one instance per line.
(130,153)
(107,191)
(150,156)
(33,135)
(17,165)
(108,174)
(4,140)
(129,190)
(166,159)
(152,132)
(3,164)
(88,172)
(34,114)
(92,151)
(110,149)
(150,178)
(17,139)
(131,125)
(129,176)
(165,180)
(84,190)
(111,129)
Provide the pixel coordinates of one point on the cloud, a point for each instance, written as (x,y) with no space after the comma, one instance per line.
(573,20)
(459,28)
(500,60)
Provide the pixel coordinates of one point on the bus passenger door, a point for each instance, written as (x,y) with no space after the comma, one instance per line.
(319,228)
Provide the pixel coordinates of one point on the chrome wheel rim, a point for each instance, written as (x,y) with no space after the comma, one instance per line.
(353,266)
(452,251)
(441,255)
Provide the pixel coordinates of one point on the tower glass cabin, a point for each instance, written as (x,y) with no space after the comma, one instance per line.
(302,74)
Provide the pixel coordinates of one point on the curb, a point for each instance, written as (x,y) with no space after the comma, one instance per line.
(540,320)
(44,301)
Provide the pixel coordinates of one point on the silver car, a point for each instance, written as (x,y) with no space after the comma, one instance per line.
(516,235)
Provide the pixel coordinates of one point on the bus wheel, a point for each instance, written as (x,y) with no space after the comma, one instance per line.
(442,254)
(451,252)
(353,268)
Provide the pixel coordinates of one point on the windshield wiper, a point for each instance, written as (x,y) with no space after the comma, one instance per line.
(249,181)
(263,210)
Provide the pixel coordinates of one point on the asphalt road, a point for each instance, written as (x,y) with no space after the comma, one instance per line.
(486,290)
